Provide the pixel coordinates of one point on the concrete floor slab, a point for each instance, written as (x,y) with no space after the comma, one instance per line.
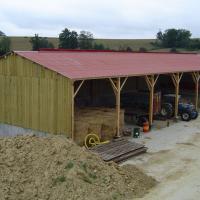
(173,159)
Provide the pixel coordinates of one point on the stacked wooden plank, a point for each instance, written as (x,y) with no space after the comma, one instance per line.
(100,121)
(118,150)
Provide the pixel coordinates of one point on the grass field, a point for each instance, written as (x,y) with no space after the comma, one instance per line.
(122,44)
(23,44)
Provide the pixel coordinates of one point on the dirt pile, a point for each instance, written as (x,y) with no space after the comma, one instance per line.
(55,168)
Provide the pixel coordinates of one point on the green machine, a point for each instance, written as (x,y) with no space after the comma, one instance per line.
(136,132)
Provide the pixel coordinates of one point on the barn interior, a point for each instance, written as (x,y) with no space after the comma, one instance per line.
(95,103)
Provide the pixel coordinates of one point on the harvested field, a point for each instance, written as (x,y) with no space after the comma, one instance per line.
(55,168)
(101,121)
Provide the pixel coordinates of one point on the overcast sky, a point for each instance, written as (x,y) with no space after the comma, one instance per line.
(104,18)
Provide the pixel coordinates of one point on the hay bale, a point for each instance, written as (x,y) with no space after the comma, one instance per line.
(108,132)
(101,121)
(95,128)
(80,131)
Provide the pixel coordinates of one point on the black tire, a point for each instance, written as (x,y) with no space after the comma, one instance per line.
(141,120)
(186,116)
(166,111)
(196,115)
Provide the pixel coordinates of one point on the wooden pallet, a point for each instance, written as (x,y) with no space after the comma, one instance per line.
(118,150)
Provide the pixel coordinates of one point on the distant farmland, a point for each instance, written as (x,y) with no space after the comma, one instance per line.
(122,44)
(23,44)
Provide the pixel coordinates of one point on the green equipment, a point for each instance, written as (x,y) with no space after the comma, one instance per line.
(136,132)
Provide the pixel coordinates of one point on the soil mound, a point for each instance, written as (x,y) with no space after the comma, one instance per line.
(55,168)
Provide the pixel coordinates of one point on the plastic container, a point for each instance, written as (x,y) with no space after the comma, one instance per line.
(146,127)
(136,132)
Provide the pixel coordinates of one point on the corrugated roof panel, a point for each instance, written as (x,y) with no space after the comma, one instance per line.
(89,65)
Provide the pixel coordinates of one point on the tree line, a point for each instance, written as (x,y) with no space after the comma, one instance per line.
(68,40)
(170,38)
(4,44)
(176,38)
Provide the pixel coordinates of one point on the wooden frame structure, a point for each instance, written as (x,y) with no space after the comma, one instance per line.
(151,80)
(25,80)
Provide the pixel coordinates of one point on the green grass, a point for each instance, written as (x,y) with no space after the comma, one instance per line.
(69,165)
(59,179)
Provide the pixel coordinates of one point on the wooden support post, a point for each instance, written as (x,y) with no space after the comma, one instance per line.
(176,78)
(196,77)
(72,114)
(74,93)
(151,81)
(117,87)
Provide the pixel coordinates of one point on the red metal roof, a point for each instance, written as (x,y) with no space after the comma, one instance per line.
(78,65)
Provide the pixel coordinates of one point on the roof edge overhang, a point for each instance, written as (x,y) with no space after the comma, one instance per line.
(106,77)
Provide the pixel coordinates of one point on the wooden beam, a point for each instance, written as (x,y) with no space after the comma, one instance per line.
(74,93)
(118,107)
(72,110)
(176,78)
(113,85)
(196,77)
(123,83)
(148,82)
(151,81)
(156,79)
(79,87)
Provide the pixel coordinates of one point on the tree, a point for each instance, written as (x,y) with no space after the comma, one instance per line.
(129,49)
(174,38)
(2,33)
(68,39)
(4,45)
(194,44)
(85,40)
(40,42)
(98,46)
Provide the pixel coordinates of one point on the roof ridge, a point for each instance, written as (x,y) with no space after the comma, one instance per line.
(107,51)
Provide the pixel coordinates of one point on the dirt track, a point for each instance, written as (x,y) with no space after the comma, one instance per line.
(54,168)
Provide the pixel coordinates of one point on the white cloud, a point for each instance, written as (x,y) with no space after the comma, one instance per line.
(105,18)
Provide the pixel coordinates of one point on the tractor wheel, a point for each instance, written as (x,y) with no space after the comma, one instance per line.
(166,111)
(186,116)
(194,116)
